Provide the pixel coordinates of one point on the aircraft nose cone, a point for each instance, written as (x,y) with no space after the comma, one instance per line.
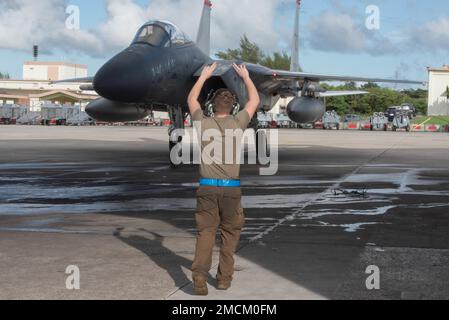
(123,78)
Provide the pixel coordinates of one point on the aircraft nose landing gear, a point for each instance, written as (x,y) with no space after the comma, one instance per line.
(176,133)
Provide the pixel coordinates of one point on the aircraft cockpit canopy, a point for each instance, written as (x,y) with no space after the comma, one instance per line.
(161,34)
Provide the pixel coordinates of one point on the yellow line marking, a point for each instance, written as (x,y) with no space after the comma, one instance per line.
(428,119)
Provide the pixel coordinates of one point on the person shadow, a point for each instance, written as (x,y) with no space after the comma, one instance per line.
(163,257)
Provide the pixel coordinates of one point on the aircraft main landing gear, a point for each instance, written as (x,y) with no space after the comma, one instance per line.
(262,144)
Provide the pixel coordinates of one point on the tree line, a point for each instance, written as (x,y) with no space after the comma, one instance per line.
(252,53)
(4,75)
(377,100)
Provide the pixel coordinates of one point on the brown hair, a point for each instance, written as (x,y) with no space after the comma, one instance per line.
(223,101)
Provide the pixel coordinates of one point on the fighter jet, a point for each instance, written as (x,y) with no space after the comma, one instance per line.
(157,71)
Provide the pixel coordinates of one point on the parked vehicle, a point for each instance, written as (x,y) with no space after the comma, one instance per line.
(283,121)
(401,121)
(75,116)
(28,117)
(306,125)
(391,113)
(9,113)
(318,124)
(331,120)
(409,109)
(379,121)
(52,115)
(264,120)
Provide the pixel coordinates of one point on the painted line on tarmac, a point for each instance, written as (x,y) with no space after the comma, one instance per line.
(427,120)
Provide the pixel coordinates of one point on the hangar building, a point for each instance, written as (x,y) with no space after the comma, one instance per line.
(36,88)
(35,93)
(53,71)
(438,91)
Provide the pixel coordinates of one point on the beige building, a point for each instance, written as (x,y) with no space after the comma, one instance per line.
(37,92)
(438,91)
(53,71)
(37,88)
(36,98)
(38,85)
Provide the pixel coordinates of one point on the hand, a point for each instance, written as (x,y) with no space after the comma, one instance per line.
(208,71)
(241,71)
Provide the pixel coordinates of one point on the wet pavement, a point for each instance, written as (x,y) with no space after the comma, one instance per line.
(104,199)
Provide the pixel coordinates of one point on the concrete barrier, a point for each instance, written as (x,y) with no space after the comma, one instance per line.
(365,126)
(417,128)
(352,126)
(432,128)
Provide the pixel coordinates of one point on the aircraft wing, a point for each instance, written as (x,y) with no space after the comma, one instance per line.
(75,80)
(281,75)
(341,93)
(316,77)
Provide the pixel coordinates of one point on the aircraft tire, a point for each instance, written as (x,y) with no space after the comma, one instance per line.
(171,146)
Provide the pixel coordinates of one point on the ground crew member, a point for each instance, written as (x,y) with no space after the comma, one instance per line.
(219,194)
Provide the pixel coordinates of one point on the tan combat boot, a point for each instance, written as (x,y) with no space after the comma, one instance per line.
(200,287)
(224,285)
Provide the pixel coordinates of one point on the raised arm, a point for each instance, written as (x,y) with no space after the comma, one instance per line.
(192,100)
(253,94)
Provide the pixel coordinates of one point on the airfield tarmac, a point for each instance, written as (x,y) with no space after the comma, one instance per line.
(105,199)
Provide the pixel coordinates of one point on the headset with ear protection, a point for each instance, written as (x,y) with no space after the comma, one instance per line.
(210,111)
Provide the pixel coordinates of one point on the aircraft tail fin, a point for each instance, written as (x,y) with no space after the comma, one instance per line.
(295,66)
(203,38)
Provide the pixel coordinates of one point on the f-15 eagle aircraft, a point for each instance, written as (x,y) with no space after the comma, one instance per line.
(158,70)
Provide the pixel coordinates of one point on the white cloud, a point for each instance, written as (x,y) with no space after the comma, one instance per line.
(255,18)
(229,21)
(27,22)
(340,32)
(124,17)
(343,30)
(335,32)
(433,36)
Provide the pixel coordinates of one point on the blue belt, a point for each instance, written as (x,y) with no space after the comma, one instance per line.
(219,183)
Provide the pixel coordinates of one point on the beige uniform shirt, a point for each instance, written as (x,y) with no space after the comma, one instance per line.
(220,168)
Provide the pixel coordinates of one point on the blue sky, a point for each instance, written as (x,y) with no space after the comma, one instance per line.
(411,30)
